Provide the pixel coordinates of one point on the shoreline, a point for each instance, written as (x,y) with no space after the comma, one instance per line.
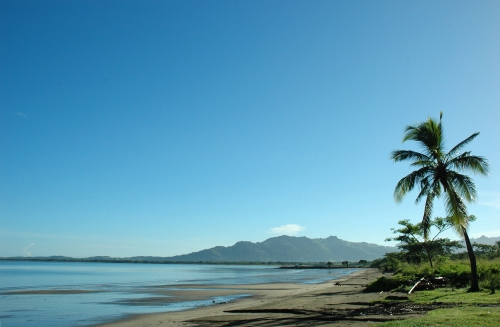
(279,304)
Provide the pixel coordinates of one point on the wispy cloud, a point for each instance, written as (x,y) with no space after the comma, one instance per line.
(22,114)
(490,204)
(26,251)
(290,229)
(490,199)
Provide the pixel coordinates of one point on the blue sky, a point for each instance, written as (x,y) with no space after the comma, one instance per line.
(165,127)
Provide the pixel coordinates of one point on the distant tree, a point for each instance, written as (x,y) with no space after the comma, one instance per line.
(329,264)
(390,262)
(439,173)
(490,251)
(414,245)
(345,263)
(362,262)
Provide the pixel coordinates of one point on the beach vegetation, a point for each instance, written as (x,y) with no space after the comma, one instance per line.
(487,250)
(439,173)
(457,272)
(460,316)
(470,309)
(416,248)
(453,295)
(385,284)
(390,262)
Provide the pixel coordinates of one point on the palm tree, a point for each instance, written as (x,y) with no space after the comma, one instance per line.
(439,173)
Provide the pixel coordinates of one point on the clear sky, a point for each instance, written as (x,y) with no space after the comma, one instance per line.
(166,127)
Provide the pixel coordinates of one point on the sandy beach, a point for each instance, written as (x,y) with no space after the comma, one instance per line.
(326,304)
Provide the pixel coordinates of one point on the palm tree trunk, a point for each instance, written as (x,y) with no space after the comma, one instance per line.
(474,284)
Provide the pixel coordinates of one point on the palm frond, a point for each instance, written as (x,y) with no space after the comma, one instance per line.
(407,183)
(411,133)
(426,219)
(463,185)
(460,145)
(423,163)
(465,161)
(401,155)
(456,210)
(429,135)
(425,188)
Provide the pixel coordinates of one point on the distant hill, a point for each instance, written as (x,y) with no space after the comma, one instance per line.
(285,249)
(290,249)
(485,240)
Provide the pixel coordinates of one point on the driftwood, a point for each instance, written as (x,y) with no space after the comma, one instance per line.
(424,284)
(416,284)
(440,281)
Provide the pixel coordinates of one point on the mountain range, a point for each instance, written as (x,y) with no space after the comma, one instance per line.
(290,249)
(276,249)
(485,240)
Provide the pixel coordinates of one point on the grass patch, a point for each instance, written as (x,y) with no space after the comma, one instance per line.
(457,271)
(449,295)
(476,309)
(457,317)
(471,311)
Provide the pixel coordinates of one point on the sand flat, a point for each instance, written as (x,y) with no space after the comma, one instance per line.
(283,305)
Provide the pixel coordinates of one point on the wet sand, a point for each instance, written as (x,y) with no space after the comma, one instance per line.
(325,304)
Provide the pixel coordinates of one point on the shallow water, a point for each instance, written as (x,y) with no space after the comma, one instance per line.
(116,289)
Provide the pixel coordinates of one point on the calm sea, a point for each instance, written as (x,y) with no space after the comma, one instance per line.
(114,286)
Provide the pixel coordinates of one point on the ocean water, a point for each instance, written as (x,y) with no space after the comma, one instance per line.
(101,292)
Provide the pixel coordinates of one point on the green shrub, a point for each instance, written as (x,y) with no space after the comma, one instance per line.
(457,271)
(390,262)
(386,284)
(489,274)
(415,271)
